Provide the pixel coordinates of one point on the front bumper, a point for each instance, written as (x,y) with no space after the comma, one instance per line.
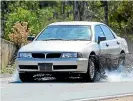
(75,65)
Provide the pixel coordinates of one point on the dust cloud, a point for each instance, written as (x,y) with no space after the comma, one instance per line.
(123,73)
(15,77)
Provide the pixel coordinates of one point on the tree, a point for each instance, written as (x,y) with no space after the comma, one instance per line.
(19,34)
(21,15)
(62,11)
(40,13)
(94,11)
(79,12)
(121,17)
(105,5)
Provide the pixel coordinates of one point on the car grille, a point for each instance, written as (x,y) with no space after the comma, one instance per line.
(46,55)
(53,55)
(57,67)
(38,55)
(28,67)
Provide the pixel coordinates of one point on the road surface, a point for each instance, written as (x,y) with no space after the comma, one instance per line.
(71,90)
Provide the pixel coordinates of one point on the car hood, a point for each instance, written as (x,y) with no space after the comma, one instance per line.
(54,46)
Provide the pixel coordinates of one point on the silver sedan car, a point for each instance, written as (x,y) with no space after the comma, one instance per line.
(69,48)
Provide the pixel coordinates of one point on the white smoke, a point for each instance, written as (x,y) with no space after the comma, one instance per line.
(121,74)
(15,77)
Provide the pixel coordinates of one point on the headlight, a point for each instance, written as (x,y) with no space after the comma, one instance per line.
(24,55)
(71,55)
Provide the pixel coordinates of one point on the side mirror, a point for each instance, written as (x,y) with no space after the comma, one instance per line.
(30,38)
(101,38)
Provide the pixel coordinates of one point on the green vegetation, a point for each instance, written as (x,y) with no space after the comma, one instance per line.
(121,17)
(8,70)
(31,12)
(38,14)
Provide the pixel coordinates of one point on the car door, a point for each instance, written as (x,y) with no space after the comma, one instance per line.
(103,45)
(111,41)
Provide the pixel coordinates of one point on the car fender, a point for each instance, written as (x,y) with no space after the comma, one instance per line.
(124,45)
(91,47)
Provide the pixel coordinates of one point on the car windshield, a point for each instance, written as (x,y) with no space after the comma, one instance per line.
(65,32)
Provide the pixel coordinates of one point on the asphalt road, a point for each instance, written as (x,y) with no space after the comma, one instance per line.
(69,90)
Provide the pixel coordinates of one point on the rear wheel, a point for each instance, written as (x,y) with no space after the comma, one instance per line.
(93,73)
(26,77)
(121,59)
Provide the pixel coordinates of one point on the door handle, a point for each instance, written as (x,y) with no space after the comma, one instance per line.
(118,43)
(107,44)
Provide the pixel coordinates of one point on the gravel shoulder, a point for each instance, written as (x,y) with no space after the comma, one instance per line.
(126,98)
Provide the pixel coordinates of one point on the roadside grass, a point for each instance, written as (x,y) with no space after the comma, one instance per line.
(8,69)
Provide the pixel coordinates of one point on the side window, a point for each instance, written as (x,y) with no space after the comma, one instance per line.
(108,33)
(98,32)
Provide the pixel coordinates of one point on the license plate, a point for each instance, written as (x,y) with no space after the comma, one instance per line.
(47,67)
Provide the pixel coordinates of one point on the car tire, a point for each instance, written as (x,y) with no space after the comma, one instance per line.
(26,77)
(121,59)
(93,72)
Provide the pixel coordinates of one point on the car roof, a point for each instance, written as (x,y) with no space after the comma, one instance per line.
(76,23)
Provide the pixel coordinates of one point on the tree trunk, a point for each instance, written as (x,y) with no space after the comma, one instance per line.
(105,5)
(79,10)
(75,11)
(106,12)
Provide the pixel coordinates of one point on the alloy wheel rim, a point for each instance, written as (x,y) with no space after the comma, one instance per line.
(92,69)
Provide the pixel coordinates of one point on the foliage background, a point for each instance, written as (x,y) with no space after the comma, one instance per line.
(38,14)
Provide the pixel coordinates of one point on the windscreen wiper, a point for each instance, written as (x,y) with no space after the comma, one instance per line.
(80,40)
(52,39)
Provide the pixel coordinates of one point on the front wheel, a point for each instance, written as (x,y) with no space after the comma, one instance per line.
(93,73)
